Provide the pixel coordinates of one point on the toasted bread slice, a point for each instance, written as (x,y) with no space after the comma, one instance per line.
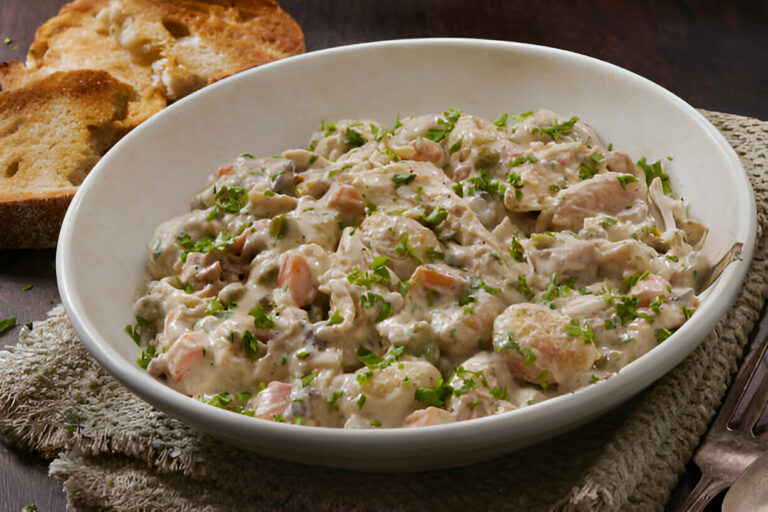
(52,132)
(165,49)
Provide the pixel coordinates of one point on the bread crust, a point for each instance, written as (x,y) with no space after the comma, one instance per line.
(52,132)
(33,221)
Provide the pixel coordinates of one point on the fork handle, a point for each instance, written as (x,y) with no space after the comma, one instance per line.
(704,492)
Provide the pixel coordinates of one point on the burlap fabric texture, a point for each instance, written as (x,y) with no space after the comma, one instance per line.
(113,451)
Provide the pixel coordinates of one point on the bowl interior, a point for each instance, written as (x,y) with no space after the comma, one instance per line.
(152,173)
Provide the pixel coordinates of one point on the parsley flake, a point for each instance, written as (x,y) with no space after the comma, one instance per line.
(559,129)
(260,318)
(335,318)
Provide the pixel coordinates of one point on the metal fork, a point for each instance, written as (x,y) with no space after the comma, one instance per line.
(731,443)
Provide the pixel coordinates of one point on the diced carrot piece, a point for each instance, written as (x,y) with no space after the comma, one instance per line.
(273,400)
(296,275)
(426,277)
(224,169)
(186,354)
(649,288)
(345,197)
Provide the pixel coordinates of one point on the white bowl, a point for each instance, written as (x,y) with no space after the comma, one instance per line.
(152,173)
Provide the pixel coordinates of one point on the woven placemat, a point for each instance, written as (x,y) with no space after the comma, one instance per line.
(113,451)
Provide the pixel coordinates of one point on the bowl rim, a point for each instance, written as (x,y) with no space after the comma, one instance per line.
(610,392)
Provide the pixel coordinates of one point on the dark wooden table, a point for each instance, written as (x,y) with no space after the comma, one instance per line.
(714,55)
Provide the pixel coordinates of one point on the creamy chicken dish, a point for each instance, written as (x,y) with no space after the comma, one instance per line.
(446,268)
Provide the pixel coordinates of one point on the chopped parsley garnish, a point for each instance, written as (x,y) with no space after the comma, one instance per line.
(370,208)
(577,331)
(672,258)
(463,301)
(335,318)
(481,285)
(558,129)
(369,300)
(131,330)
(438,134)
(376,362)
(504,341)
(230,199)
(435,217)
(302,354)
(435,397)
(608,222)
(523,287)
(517,250)
(469,380)
(146,356)
(514,179)
(627,310)
(434,254)
(455,147)
(402,179)
(375,423)
(652,171)
(362,378)
(686,311)
(501,122)
(588,169)
(653,230)
(379,274)
(260,318)
(379,132)
(541,378)
(27,287)
(353,138)
(656,303)
(332,398)
(484,182)
(458,189)
(361,400)
(230,402)
(250,345)
(307,379)
(204,245)
(520,117)
(521,160)
(216,309)
(554,291)
(403,287)
(499,393)
(626,180)
(662,334)
(632,280)
(404,247)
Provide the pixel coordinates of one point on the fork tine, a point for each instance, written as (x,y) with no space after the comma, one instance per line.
(754,384)
(756,405)
(704,492)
